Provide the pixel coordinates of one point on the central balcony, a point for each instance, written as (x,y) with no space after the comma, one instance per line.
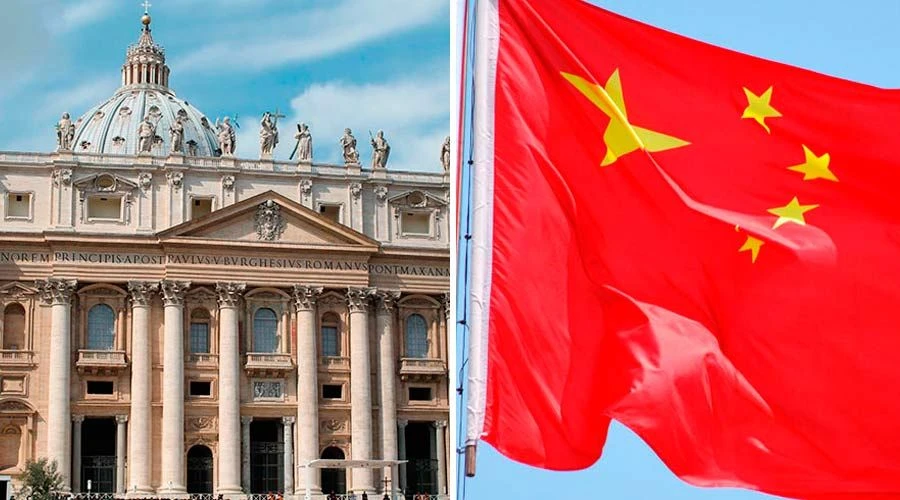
(14,358)
(101,362)
(422,369)
(268,364)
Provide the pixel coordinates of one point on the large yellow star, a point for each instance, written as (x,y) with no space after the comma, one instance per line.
(759,107)
(814,167)
(621,137)
(792,212)
(752,245)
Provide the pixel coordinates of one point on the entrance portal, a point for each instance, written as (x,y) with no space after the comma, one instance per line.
(334,480)
(421,468)
(199,470)
(266,457)
(98,455)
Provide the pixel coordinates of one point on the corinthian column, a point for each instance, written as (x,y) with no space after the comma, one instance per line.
(140,432)
(58,294)
(384,328)
(172,482)
(229,388)
(360,386)
(307,385)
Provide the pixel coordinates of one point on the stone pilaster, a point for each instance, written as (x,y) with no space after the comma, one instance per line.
(245,452)
(288,424)
(384,328)
(57,293)
(229,388)
(441,427)
(172,473)
(77,420)
(140,433)
(401,450)
(307,383)
(121,424)
(360,386)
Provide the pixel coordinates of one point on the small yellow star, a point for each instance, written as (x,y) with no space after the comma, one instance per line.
(759,107)
(752,245)
(814,167)
(792,212)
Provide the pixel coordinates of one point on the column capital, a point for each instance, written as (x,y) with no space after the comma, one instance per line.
(386,300)
(402,423)
(305,297)
(121,419)
(288,420)
(230,293)
(439,424)
(445,301)
(77,419)
(358,298)
(54,291)
(142,292)
(173,291)
(245,420)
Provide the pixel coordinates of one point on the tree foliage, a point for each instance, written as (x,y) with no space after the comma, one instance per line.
(40,480)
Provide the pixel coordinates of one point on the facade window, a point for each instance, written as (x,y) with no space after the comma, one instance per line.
(199,332)
(332,391)
(104,207)
(415,223)
(331,341)
(332,212)
(14,327)
(416,337)
(200,388)
(18,205)
(101,328)
(265,328)
(200,207)
(100,387)
(420,394)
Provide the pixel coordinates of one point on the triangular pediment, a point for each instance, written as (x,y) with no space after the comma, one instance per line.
(417,199)
(269,218)
(16,290)
(105,183)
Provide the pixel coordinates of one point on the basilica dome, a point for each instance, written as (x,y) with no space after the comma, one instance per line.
(112,127)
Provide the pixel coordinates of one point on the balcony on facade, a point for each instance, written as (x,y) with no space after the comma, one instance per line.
(422,369)
(101,362)
(202,360)
(14,358)
(268,364)
(334,364)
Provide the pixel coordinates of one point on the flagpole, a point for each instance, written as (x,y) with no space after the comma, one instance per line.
(485,57)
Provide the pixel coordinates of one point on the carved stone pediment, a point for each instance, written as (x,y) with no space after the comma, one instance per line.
(15,406)
(202,424)
(417,199)
(104,183)
(16,290)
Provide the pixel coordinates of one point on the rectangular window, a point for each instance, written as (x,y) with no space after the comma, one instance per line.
(200,207)
(104,207)
(100,387)
(199,338)
(332,391)
(18,205)
(417,223)
(200,388)
(420,393)
(332,212)
(330,345)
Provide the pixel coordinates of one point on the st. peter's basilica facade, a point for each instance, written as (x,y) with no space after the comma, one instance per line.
(178,320)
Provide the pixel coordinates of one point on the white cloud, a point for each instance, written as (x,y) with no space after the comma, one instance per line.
(77,98)
(313,34)
(413,112)
(82,13)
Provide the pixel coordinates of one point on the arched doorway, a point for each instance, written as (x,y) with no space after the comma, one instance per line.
(334,480)
(199,469)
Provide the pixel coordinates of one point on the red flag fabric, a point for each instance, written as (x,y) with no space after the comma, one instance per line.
(700,244)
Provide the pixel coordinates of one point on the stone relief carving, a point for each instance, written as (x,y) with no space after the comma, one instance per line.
(445,301)
(56,290)
(230,293)
(173,291)
(381,193)
(333,426)
(355,190)
(62,176)
(175,178)
(142,292)
(268,389)
(269,221)
(445,154)
(381,150)
(305,297)
(145,181)
(65,133)
(14,290)
(348,145)
(14,406)
(228,182)
(306,187)
(203,423)
(358,298)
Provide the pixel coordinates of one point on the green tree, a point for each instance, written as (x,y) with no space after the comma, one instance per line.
(40,480)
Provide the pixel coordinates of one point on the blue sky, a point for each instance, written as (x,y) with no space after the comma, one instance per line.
(330,63)
(853,40)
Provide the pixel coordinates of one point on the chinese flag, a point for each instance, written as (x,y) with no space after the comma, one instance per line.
(700,244)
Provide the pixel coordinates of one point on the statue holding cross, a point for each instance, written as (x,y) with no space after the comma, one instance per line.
(268,133)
